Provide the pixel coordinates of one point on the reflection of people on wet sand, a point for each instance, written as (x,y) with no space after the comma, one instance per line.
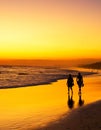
(80,102)
(70,83)
(70,101)
(79,80)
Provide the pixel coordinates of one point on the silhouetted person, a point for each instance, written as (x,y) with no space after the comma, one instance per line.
(70,83)
(70,101)
(81,102)
(79,80)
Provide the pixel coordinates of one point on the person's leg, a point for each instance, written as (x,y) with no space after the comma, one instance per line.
(79,88)
(71,90)
(68,90)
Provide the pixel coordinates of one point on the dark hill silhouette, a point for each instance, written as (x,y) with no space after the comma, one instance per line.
(96,65)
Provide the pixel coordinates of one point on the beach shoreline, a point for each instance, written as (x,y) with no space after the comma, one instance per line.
(10,77)
(87,117)
(46,107)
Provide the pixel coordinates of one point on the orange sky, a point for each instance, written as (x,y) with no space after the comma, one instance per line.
(52,29)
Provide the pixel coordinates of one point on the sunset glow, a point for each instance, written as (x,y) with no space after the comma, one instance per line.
(53,29)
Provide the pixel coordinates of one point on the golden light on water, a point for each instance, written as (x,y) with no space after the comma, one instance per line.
(30,107)
(50,29)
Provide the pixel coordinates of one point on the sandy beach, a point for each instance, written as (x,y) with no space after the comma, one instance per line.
(45,107)
(85,118)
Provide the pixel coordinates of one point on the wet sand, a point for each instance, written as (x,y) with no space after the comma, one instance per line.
(34,107)
(85,118)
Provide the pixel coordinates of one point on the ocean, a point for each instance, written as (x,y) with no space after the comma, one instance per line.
(20,76)
(29,108)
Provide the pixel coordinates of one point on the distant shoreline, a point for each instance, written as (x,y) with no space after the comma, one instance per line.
(96,65)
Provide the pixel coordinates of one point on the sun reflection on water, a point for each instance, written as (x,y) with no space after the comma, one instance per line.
(32,106)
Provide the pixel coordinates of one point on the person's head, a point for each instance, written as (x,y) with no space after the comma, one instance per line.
(79,73)
(70,75)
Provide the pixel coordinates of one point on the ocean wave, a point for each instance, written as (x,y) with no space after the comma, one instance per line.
(20,76)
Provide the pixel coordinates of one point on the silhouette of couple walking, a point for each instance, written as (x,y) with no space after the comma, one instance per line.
(70,82)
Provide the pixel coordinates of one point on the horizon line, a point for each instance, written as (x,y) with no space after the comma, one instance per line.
(50,58)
